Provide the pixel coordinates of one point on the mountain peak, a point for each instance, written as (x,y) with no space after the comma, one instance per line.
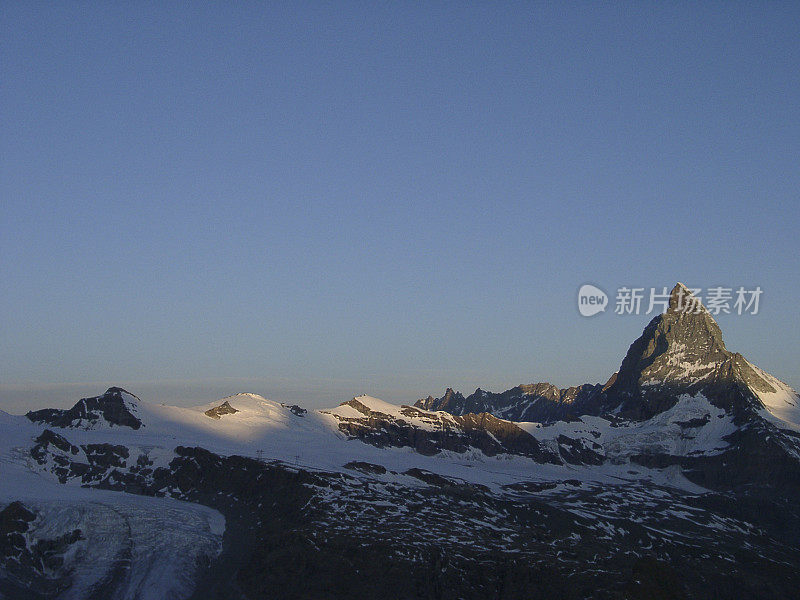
(113,390)
(448,402)
(677,350)
(678,293)
(681,299)
(116,407)
(681,286)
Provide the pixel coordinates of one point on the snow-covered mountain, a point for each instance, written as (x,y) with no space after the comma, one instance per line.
(678,476)
(680,352)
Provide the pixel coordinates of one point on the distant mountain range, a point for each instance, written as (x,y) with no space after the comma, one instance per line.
(677,478)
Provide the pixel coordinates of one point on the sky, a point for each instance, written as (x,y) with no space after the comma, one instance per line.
(312,200)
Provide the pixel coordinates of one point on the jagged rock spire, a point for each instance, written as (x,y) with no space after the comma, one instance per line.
(682,352)
(683,343)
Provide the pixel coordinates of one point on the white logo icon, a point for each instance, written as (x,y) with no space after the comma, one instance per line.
(591,300)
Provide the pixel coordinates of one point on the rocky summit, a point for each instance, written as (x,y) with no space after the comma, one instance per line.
(676,478)
(116,407)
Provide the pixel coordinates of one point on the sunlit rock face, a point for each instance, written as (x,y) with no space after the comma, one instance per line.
(218,411)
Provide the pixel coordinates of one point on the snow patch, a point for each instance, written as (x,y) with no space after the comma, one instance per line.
(782,407)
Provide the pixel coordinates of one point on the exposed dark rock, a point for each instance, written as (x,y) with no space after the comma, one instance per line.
(366,467)
(760,460)
(106,455)
(14,519)
(538,402)
(580,451)
(430,478)
(223,409)
(110,408)
(698,422)
(296,410)
(48,437)
(484,432)
(531,486)
(452,402)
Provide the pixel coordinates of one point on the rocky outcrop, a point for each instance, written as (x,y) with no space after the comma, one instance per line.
(14,520)
(296,410)
(223,409)
(430,433)
(452,402)
(365,467)
(116,407)
(67,461)
(537,402)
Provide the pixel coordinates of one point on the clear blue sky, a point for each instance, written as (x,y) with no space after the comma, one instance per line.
(311,200)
